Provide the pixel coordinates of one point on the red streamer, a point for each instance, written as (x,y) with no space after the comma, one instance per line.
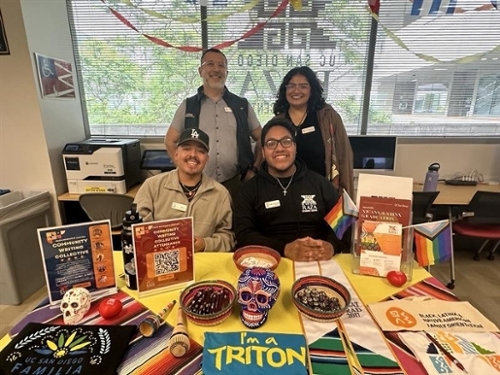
(222,45)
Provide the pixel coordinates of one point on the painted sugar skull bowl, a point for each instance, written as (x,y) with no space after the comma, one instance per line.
(320,298)
(208,303)
(258,290)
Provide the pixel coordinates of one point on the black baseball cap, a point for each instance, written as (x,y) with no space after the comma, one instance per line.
(195,135)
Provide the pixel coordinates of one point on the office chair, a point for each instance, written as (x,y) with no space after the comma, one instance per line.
(421,206)
(102,206)
(481,220)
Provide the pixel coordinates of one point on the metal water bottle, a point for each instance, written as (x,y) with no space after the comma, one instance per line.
(131,217)
(432,177)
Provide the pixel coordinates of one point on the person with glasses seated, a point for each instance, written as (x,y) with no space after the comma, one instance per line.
(322,140)
(284,205)
(228,119)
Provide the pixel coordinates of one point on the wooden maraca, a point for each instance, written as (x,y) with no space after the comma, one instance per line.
(178,343)
(150,325)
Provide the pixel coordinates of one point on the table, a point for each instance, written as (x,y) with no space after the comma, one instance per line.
(284,317)
(451,195)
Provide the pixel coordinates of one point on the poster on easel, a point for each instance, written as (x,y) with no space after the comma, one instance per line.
(164,255)
(78,255)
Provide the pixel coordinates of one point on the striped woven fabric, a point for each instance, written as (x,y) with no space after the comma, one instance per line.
(145,356)
(356,345)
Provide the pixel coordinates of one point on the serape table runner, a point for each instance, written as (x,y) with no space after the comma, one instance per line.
(354,344)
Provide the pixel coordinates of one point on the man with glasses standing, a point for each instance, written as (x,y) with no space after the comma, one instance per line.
(228,119)
(284,206)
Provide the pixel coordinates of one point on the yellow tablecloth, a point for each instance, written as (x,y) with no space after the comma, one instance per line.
(283,317)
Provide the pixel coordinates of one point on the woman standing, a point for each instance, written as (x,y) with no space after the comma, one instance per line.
(321,139)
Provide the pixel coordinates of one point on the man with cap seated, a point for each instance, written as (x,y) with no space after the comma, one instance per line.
(186,192)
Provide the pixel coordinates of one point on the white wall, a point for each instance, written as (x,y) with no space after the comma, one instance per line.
(47,30)
(35,130)
(412,159)
(24,159)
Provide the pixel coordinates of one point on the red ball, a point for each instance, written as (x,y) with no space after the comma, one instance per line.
(396,278)
(110,307)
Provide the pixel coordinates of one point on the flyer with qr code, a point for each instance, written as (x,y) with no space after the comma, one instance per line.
(163,255)
(78,255)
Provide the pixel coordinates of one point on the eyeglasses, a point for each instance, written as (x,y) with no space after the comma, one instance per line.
(212,64)
(293,86)
(273,143)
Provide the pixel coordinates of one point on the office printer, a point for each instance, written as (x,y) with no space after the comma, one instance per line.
(102,165)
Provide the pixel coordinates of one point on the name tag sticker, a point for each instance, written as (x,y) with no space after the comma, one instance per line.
(227,110)
(273,204)
(309,129)
(179,207)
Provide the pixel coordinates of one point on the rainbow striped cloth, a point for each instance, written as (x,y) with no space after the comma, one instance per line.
(433,242)
(342,215)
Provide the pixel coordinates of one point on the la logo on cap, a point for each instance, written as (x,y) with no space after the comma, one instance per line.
(194,134)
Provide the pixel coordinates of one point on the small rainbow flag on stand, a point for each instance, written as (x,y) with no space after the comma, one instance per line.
(342,215)
(433,242)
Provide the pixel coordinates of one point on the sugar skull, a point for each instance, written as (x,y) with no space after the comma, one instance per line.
(74,305)
(258,289)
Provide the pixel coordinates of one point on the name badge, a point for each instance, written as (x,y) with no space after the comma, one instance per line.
(273,204)
(179,207)
(309,129)
(227,110)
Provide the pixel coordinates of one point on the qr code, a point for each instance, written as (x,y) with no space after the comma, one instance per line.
(166,262)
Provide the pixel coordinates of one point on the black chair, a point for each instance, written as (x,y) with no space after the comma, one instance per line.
(103,206)
(481,220)
(421,206)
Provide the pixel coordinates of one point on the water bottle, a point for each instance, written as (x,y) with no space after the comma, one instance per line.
(131,217)
(432,177)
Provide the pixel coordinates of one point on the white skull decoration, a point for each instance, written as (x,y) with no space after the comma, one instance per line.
(258,289)
(74,305)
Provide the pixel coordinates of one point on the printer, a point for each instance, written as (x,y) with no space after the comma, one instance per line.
(102,165)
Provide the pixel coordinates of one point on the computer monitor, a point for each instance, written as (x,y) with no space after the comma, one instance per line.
(373,154)
(156,160)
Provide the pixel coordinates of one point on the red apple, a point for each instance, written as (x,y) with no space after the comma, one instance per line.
(110,307)
(396,278)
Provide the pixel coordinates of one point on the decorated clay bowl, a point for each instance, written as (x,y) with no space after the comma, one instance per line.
(208,303)
(320,298)
(256,256)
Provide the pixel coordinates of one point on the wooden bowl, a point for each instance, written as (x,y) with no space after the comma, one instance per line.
(320,298)
(256,256)
(208,303)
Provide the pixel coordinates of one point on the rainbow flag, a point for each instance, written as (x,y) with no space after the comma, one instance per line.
(433,242)
(342,215)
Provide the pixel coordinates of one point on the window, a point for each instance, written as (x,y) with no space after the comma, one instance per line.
(132,83)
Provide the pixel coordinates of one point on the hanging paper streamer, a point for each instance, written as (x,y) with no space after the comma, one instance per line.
(222,45)
(423,56)
(219,17)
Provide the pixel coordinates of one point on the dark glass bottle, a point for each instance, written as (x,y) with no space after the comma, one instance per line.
(131,217)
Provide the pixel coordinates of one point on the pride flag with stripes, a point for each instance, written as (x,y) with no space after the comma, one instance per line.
(342,215)
(433,242)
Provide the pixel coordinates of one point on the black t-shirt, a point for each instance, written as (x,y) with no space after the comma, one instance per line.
(310,144)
